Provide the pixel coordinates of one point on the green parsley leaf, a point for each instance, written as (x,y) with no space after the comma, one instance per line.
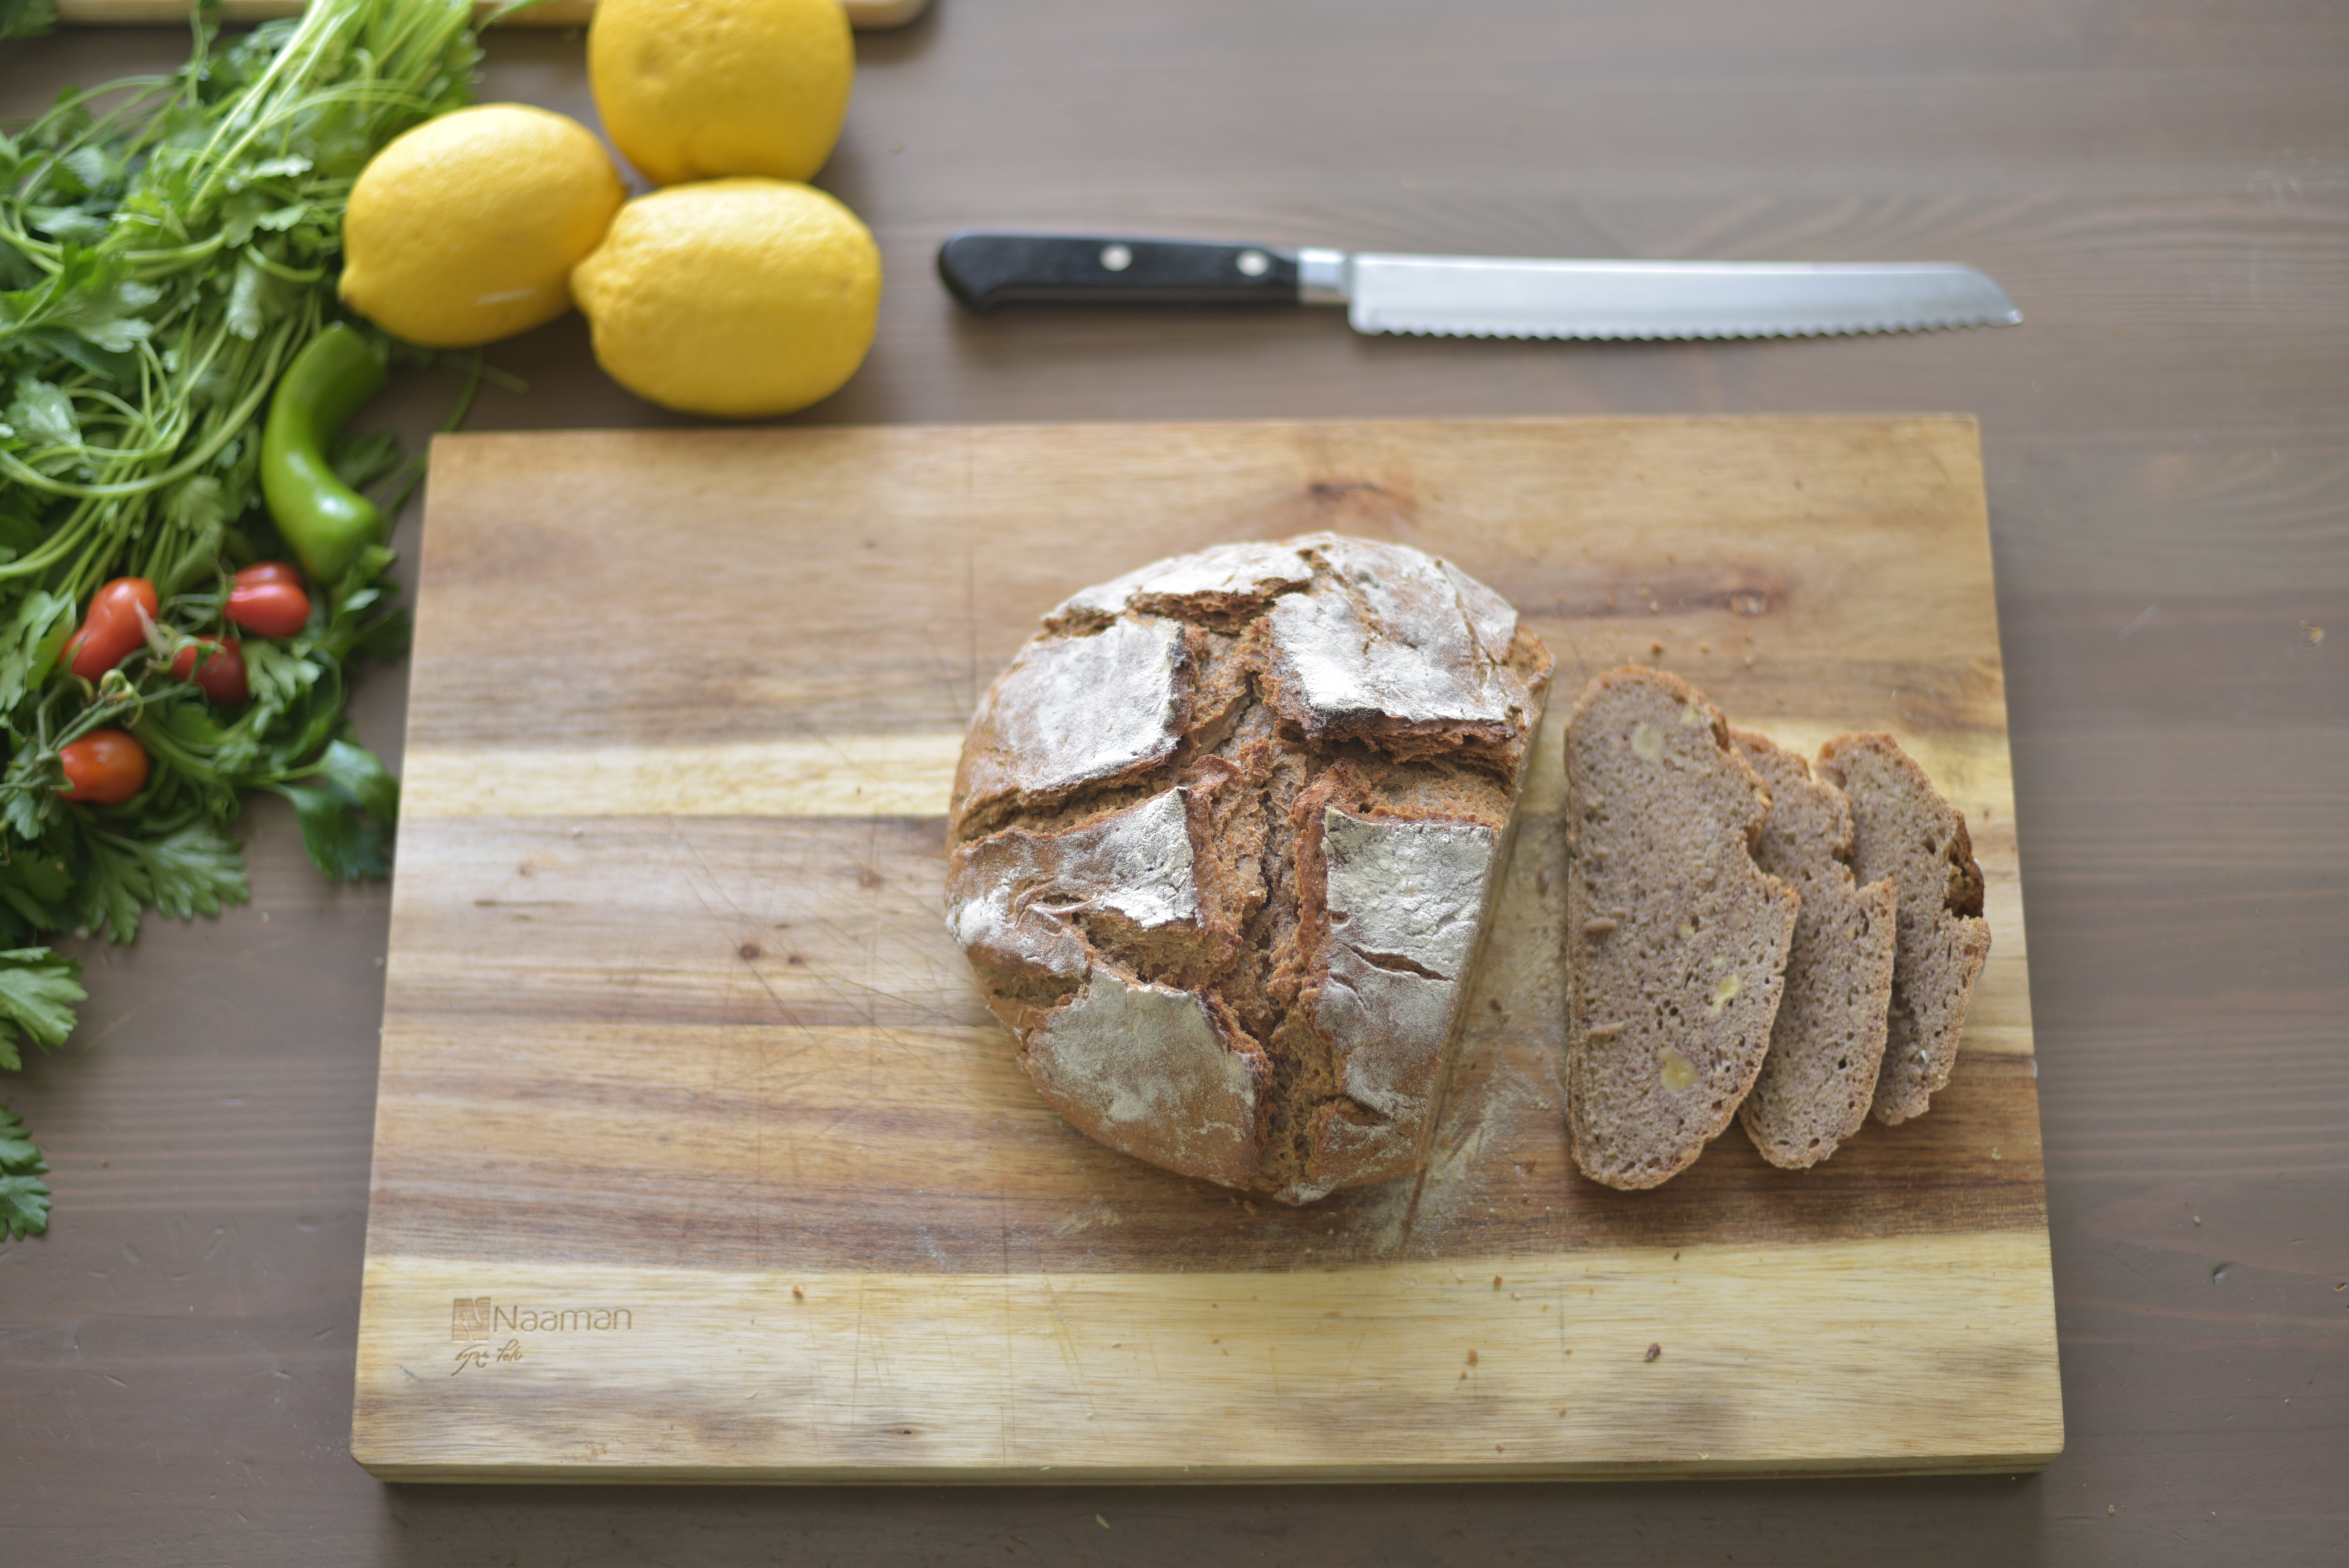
(43,415)
(27,18)
(344,846)
(26,809)
(277,677)
(17,1151)
(24,1196)
(76,224)
(39,991)
(24,1204)
(195,871)
(192,869)
(28,791)
(26,638)
(37,890)
(359,777)
(196,511)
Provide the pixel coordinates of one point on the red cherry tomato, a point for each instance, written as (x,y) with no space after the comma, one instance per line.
(270,571)
(220,676)
(271,607)
(111,632)
(104,767)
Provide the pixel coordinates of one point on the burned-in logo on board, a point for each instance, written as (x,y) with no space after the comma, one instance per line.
(475,1321)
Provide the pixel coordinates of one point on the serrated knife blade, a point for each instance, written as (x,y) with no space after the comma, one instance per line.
(1495,296)
(1482,296)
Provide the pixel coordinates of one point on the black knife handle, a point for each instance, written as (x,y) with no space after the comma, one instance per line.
(986,270)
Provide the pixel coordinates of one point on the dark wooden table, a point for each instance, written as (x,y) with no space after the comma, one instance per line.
(2163,185)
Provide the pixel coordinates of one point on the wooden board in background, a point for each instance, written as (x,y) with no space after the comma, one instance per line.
(699,1158)
(866,14)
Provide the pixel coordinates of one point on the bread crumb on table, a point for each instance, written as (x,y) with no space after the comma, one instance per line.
(1653,1351)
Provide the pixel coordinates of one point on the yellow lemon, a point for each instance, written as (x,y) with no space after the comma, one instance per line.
(690,89)
(465,230)
(734,297)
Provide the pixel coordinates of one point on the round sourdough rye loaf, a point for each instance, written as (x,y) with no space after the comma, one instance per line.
(1676,941)
(1225,841)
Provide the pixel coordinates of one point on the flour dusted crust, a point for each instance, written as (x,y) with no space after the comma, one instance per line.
(1225,841)
(1072,712)
(1676,941)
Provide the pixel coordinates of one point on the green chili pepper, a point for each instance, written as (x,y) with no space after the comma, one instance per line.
(328,523)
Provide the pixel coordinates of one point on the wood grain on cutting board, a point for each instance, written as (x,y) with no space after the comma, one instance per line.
(697,1155)
(864,14)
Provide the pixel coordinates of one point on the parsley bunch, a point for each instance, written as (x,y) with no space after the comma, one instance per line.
(167,245)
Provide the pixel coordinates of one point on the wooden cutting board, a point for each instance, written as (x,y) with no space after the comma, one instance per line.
(866,14)
(698,1157)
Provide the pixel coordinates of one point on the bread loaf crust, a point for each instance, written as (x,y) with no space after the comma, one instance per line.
(1225,839)
(1676,941)
(1818,1081)
(1905,831)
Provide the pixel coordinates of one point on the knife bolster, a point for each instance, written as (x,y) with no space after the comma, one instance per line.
(1323,277)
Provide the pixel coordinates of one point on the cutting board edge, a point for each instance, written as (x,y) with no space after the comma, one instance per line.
(2016,1462)
(732,433)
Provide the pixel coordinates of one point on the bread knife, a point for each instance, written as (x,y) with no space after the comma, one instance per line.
(1480,296)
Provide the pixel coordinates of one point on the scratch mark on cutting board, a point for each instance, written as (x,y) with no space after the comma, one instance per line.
(1068,1341)
(857,1352)
(1352,1351)
(1007,1412)
(873,1067)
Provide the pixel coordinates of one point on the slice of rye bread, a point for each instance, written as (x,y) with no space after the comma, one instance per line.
(1676,941)
(1904,830)
(1820,1079)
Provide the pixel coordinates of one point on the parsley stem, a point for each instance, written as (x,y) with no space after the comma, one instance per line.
(226,432)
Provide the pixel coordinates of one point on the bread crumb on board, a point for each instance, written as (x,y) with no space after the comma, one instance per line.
(1653,1351)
